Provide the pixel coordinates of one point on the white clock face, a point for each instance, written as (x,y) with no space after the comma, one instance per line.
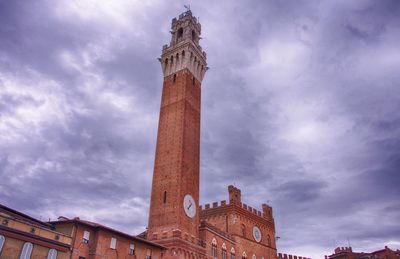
(257,234)
(189,206)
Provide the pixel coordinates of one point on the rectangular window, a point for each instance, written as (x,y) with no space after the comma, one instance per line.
(86,235)
(113,243)
(148,254)
(132,249)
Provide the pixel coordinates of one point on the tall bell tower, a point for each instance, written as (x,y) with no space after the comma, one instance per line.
(174,215)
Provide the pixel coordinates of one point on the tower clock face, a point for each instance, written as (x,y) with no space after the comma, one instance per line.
(257,234)
(189,206)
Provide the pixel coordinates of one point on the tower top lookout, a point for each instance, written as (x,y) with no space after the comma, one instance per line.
(184,50)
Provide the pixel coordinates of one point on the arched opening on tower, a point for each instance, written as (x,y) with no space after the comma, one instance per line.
(193,35)
(180,33)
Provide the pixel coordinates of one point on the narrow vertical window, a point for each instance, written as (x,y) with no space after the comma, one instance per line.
(52,254)
(132,249)
(26,251)
(214,248)
(86,235)
(233,253)
(165,197)
(180,33)
(243,230)
(148,254)
(174,78)
(223,251)
(2,240)
(193,81)
(193,35)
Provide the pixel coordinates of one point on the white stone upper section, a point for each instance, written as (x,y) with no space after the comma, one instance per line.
(184,50)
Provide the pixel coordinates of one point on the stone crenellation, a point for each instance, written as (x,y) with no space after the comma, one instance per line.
(266,213)
(343,249)
(289,256)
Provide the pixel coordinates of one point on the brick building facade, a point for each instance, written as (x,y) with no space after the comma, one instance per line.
(348,253)
(24,237)
(94,241)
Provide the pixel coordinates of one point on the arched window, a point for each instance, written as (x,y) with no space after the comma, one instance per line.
(244,255)
(183,53)
(193,35)
(52,254)
(174,79)
(243,230)
(2,240)
(214,248)
(233,256)
(254,256)
(26,251)
(223,253)
(165,192)
(180,33)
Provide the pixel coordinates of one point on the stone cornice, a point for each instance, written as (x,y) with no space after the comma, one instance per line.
(183,55)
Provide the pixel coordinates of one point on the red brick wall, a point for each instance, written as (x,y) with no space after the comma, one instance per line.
(230,218)
(208,236)
(176,168)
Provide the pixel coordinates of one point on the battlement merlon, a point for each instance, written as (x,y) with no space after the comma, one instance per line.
(343,249)
(266,213)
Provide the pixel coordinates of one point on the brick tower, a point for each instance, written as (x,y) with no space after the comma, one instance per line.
(174,214)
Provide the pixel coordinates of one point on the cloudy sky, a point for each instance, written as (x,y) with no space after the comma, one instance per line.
(300,109)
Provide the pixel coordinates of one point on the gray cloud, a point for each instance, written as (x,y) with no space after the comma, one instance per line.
(299,108)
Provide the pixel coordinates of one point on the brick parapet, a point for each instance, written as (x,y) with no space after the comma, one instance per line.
(289,256)
(242,208)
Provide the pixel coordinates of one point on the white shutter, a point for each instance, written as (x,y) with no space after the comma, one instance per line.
(86,235)
(26,251)
(113,243)
(2,239)
(132,246)
(52,254)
